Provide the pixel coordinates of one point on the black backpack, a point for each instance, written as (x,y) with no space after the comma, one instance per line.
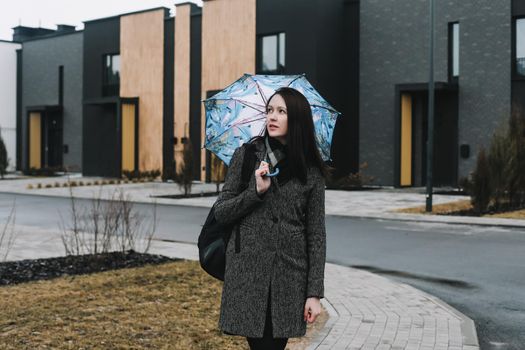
(214,236)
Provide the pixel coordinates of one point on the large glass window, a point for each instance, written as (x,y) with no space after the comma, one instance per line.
(272,53)
(111,75)
(520,46)
(454,50)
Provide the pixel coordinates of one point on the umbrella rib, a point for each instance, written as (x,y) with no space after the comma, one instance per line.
(246,103)
(248,121)
(225,131)
(327,108)
(294,79)
(261,93)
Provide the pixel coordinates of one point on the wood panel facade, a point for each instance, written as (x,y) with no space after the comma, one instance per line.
(228,47)
(142,76)
(182,79)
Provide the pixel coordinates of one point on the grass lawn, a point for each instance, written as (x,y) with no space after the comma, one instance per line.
(460,205)
(168,306)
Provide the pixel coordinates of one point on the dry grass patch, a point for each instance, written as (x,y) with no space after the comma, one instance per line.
(517,214)
(445,208)
(168,306)
(462,205)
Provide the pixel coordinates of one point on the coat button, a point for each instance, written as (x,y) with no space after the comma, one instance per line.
(275,220)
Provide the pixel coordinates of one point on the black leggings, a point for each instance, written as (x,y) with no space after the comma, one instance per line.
(267,341)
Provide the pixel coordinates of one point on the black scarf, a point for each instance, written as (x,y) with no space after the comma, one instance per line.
(283,165)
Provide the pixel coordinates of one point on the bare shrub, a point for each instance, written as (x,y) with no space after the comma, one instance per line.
(8,234)
(218,171)
(349,181)
(107,225)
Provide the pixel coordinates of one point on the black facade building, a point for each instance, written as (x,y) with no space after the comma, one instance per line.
(472,59)
(321,41)
(100,98)
(49,98)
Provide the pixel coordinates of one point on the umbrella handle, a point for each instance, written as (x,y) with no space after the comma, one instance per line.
(275,173)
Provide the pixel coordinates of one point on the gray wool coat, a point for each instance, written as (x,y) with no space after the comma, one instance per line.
(282,251)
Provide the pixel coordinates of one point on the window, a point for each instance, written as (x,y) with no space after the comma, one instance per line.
(453,56)
(111,75)
(271,53)
(520,47)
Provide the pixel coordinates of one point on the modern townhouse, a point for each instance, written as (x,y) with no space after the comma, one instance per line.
(50,97)
(313,37)
(137,86)
(479,50)
(8,87)
(143,75)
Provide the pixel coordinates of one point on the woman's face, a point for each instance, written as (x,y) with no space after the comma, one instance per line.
(277,118)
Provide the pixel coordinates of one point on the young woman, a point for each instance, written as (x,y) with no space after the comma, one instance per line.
(275,267)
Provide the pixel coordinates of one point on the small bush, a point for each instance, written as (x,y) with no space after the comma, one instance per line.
(4,161)
(184,175)
(498,180)
(218,171)
(147,175)
(480,189)
(45,171)
(350,181)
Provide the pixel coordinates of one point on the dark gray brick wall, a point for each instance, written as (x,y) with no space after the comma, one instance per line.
(41,59)
(394,50)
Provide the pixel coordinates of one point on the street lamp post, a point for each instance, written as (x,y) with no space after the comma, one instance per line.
(430,138)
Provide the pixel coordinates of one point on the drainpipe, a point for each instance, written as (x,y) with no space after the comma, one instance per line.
(430,138)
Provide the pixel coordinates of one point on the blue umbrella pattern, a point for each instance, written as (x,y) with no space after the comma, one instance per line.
(237,113)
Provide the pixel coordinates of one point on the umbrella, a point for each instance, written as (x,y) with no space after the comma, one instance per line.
(237,113)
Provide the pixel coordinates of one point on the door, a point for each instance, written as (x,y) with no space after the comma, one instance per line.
(129,137)
(406,140)
(35,140)
(53,140)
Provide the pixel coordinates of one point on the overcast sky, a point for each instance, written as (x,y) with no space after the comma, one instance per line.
(49,13)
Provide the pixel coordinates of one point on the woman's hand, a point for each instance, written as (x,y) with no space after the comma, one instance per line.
(312,309)
(263,182)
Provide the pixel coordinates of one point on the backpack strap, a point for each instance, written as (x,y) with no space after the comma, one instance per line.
(248,163)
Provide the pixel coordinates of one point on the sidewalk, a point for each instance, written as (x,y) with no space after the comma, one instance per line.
(374,204)
(366,311)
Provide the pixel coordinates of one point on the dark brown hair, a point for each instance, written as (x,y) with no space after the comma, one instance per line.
(300,139)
